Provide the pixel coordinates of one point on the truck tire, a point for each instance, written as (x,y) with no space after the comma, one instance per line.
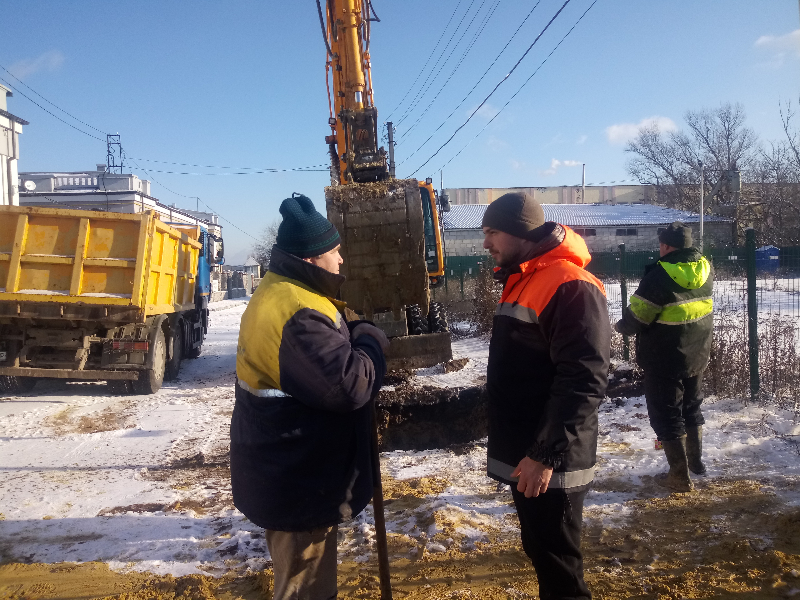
(194,352)
(437,318)
(174,362)
(150,380)
(119,387)
(17,385)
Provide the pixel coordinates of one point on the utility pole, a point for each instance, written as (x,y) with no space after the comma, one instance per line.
(390,132)
(702,209)
(583,185)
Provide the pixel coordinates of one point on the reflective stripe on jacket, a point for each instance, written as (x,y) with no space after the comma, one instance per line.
(548,366)
(671,313)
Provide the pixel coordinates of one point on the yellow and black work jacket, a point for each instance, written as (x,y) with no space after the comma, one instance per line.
(548,364)
(301,426)
(671,314)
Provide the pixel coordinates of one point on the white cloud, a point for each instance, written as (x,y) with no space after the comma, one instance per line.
(487,111)
(49,61)
(780,46)
(621,133)
(556,164)
(582,139)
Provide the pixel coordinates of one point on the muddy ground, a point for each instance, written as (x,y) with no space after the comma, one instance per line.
(729,539)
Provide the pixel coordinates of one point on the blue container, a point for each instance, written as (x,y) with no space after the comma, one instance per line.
(767,259)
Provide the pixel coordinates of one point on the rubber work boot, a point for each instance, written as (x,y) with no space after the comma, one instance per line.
(677,479)
(694,449)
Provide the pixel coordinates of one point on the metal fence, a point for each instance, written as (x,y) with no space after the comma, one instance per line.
(756,312)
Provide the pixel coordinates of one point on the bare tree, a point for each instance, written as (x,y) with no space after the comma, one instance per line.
(262,250)
(792,134)
(670,160)
(777,183)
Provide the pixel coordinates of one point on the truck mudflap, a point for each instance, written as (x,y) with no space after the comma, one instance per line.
(383,245)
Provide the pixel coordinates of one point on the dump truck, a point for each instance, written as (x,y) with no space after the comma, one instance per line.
(92,295)
(392,242)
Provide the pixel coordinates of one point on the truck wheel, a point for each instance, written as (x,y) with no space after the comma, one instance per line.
(437,319)
(17,385)
(150,381)
(194,352)
(119,387)
(174,362)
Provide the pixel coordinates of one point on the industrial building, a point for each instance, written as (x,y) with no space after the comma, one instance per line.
(565,194)
(604,227)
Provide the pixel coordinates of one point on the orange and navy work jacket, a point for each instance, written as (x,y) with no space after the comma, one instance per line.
(548,366)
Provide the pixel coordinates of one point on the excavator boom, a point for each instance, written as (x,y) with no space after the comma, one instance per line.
(391,242)
(355,120)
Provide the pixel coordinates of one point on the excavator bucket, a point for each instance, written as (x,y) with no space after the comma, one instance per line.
(383,245)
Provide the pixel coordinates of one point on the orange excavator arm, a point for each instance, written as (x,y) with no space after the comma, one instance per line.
(353,143)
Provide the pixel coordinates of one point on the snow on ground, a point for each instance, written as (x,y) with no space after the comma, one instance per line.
(142,482)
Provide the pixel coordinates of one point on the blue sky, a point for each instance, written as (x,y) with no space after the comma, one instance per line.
(242,84)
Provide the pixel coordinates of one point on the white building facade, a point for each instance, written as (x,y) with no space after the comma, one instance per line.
(99,190)
(10,130)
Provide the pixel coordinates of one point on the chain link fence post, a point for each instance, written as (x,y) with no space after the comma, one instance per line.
(623,288)
(752,312)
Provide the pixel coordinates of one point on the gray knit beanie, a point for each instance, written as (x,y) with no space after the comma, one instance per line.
(516,213)
(304,232)
(677,235)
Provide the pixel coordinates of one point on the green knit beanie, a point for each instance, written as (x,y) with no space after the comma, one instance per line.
(304,232)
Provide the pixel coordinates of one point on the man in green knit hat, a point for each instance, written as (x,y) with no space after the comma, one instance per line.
(301,428)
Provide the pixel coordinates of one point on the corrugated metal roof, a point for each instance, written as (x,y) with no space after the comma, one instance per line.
(469,216)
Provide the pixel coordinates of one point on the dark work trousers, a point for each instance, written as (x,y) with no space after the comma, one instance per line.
(551,525)
(673,404)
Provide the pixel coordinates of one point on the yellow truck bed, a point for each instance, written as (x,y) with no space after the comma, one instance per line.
(90,258)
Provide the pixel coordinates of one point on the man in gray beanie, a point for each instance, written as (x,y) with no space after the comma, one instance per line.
(547,373)
(301,458)
(671,314)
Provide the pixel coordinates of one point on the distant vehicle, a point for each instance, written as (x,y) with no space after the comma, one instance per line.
(98,295)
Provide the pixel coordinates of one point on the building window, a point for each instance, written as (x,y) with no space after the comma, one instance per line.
(586,232)
(622,232)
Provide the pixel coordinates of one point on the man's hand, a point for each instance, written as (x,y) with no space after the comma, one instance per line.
(534,477)
(368,329)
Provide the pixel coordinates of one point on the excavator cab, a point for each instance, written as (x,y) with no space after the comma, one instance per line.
(434,255)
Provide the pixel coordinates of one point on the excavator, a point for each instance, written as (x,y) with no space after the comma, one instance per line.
(391,233)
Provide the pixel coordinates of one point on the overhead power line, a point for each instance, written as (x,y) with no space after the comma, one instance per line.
(433,52)
(520,87)
(192,198)
(424,85)
(474,87)
(17,90)
(49,102)
(253,169)
(443,86)
(503,80)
